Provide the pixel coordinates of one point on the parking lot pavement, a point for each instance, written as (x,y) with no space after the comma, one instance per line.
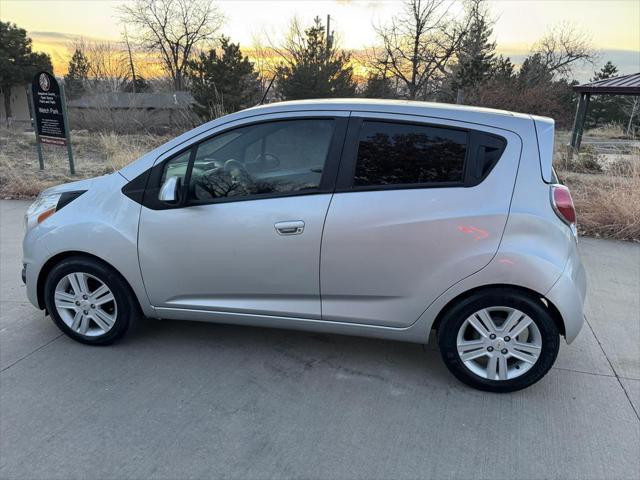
(190,400)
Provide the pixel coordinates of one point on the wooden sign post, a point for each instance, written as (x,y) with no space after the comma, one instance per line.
(50,114)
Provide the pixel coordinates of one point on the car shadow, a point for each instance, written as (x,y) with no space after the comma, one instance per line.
(291,353)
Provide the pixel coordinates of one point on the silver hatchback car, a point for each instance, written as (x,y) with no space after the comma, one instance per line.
(376,218)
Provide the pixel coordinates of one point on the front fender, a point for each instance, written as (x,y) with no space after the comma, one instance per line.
(103,223)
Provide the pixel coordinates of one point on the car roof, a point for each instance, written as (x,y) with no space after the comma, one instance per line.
(381,105)
(501,119)
(442,111)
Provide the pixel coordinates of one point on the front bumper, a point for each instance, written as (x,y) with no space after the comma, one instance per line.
(34,256)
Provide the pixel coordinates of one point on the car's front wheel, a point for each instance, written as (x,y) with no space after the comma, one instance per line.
(89,301)
(499,341)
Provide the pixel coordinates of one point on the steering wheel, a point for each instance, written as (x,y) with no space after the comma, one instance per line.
(237,171)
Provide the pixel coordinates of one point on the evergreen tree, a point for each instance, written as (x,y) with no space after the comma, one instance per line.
(503,69)
(142,85)
(18,63)
(75,81)
(476,58)
(609,70)
(534,72)
(314,68)
(605,108)
(223,83)
(379,87)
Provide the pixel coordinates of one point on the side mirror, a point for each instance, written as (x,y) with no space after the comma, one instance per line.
(170,190)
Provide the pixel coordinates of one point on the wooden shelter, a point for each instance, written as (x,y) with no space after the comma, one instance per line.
(622,85)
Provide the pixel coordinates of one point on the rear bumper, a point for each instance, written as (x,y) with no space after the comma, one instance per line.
(568,295)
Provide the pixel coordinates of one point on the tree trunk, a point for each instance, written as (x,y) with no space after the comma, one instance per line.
(6,93)
(413,91)
(177,81)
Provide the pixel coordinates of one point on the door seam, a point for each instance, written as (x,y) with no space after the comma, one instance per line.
(326,214)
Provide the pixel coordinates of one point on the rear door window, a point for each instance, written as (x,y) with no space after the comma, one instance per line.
(391,153)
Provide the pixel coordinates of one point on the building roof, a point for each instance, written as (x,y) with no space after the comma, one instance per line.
(622,85)
(124,100)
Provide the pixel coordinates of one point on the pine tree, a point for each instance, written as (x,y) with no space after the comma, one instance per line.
(605,108)
(75,81)
(534,72)
(476,58)
(609,70)
(315,68)
(223,83)
(142,85)
(503,69)
(18,63)
(379,87)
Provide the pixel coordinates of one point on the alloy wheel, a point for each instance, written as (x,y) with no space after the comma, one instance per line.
(499,343)
(85,304)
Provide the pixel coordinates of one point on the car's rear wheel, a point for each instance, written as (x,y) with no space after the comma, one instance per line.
(89,301)
(500,341)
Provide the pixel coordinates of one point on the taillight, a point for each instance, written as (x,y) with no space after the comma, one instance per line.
(563,204)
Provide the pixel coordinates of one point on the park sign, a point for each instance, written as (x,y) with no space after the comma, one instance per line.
(48,112)
(49,115)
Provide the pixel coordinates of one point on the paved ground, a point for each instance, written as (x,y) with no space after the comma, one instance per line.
(178,400)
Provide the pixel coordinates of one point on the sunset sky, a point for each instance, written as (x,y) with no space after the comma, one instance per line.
(613,25)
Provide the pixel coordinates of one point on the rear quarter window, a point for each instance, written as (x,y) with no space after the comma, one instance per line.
(485,150)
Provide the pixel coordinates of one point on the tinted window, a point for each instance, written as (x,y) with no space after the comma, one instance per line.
(396,153)
(275,157)
(486,151)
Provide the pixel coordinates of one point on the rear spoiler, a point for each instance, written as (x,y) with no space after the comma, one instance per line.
(545,135)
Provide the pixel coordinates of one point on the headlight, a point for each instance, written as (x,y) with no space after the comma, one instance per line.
(41,209)
(47,205)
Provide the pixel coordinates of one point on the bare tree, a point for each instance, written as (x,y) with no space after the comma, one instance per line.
(108,67)
(417,45)
(263,58)
(562,47)
(173,29)
(288,47)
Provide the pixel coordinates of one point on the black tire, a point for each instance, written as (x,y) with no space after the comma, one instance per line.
(513,298)
(127,306)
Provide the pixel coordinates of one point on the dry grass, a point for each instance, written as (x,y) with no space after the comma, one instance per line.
(95,154)
(607,131)
(608,204)
(120,150)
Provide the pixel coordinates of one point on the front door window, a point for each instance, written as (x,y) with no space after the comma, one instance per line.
(279,157)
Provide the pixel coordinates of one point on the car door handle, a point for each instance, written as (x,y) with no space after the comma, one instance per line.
(290,228)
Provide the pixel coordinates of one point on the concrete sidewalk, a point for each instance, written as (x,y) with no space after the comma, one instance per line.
(190,400)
